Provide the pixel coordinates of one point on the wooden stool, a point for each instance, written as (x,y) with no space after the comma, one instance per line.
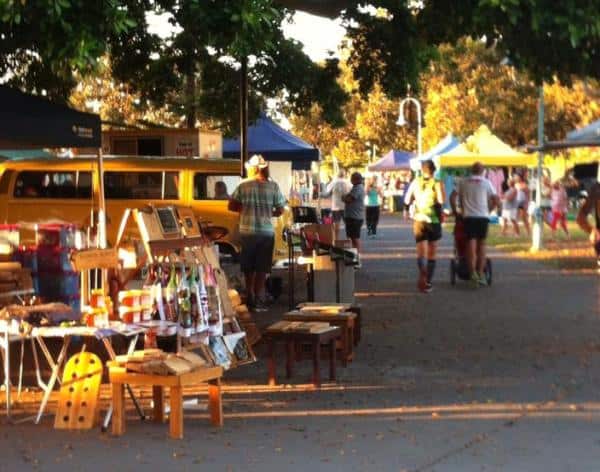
(119,377)
(292,339)
(345,320)
(354,308)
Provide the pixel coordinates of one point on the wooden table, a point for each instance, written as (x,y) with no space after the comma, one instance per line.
(119,377)
(345,320)
(292,339)
(353,307)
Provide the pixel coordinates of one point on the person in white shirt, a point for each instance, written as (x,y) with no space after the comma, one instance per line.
(337,189)
(477,198)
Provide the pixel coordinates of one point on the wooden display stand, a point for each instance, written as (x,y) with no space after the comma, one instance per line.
(119,377)
(292,339)
(345,321)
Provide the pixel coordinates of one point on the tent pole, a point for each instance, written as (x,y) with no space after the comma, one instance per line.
(243,116)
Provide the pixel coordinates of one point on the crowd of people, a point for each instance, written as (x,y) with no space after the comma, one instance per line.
(356,201)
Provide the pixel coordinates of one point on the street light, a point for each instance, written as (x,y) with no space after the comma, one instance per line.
(402,121)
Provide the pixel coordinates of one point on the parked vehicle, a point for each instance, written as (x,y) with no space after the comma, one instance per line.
(36,190)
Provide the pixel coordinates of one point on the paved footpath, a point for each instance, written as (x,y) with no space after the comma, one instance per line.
(501,378)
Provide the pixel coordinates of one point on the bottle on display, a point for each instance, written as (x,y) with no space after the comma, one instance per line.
(184,304)
(214,320)
(158,295)
(170,295)
(150,286)
(204,313)
(195,298)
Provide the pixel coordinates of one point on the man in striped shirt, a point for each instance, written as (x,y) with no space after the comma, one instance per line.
(257,199)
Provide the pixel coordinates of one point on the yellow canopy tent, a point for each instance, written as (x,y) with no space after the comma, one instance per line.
(483,146)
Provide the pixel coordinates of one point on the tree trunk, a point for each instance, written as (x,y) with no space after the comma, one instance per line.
(190,98)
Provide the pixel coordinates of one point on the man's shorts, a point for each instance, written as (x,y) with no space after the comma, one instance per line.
(337,215)
(257,253)
(429,232)
(353,227)
(476,228)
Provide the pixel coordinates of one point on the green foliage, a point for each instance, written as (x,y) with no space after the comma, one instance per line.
(196,70)
(548,38)
(369,121)
(43,41)
(467,85)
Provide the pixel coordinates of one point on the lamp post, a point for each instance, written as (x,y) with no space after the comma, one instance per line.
(402,121)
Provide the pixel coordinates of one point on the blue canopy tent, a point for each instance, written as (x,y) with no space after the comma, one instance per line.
(267,138)
(393,160)
(589,133)
(445,145)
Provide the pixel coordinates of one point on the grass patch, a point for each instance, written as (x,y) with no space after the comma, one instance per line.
(562,253)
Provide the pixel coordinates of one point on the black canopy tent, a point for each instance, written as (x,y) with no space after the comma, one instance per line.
(28,121)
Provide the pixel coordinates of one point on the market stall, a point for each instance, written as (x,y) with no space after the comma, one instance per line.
(482,146)
(393,161)
(182,306)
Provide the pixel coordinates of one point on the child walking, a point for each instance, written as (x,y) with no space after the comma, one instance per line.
(560,205)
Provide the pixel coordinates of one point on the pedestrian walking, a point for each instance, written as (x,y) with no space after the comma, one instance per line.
(428,195)
(522,201)
(354,210)
(559,203)
(509,209)
(257,199)
(337,189)
(373,206)
(591,205)
(477,197)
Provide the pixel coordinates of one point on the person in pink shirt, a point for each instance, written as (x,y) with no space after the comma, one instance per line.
(560,204)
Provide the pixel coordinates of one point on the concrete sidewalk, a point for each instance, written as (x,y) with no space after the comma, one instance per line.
(501,378)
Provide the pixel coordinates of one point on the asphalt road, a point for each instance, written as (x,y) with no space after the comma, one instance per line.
(499,378)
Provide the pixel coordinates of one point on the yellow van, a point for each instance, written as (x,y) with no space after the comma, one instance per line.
(35,190)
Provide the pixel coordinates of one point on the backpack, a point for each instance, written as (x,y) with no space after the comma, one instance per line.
(426,197)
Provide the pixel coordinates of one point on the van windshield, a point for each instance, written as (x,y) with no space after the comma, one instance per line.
(47,184)
(141,185)
(214,187)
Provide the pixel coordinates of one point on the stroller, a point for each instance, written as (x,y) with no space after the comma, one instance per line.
(458,264)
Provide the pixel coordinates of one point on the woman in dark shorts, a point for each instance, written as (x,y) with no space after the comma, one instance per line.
(354,212)
(428,196)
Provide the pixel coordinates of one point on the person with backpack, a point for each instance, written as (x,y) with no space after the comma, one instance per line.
(428,195)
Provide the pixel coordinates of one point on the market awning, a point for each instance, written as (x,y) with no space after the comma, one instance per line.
(267,138)
(589,133)
(28,121)
(485,147)
(393,160)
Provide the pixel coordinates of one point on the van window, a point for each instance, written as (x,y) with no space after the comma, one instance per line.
(214,187)
(48,184)
(141,185)
(5,181)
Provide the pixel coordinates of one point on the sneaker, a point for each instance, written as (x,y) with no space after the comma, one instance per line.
(481,280)
(474,280)
(260,305)
(428,287)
